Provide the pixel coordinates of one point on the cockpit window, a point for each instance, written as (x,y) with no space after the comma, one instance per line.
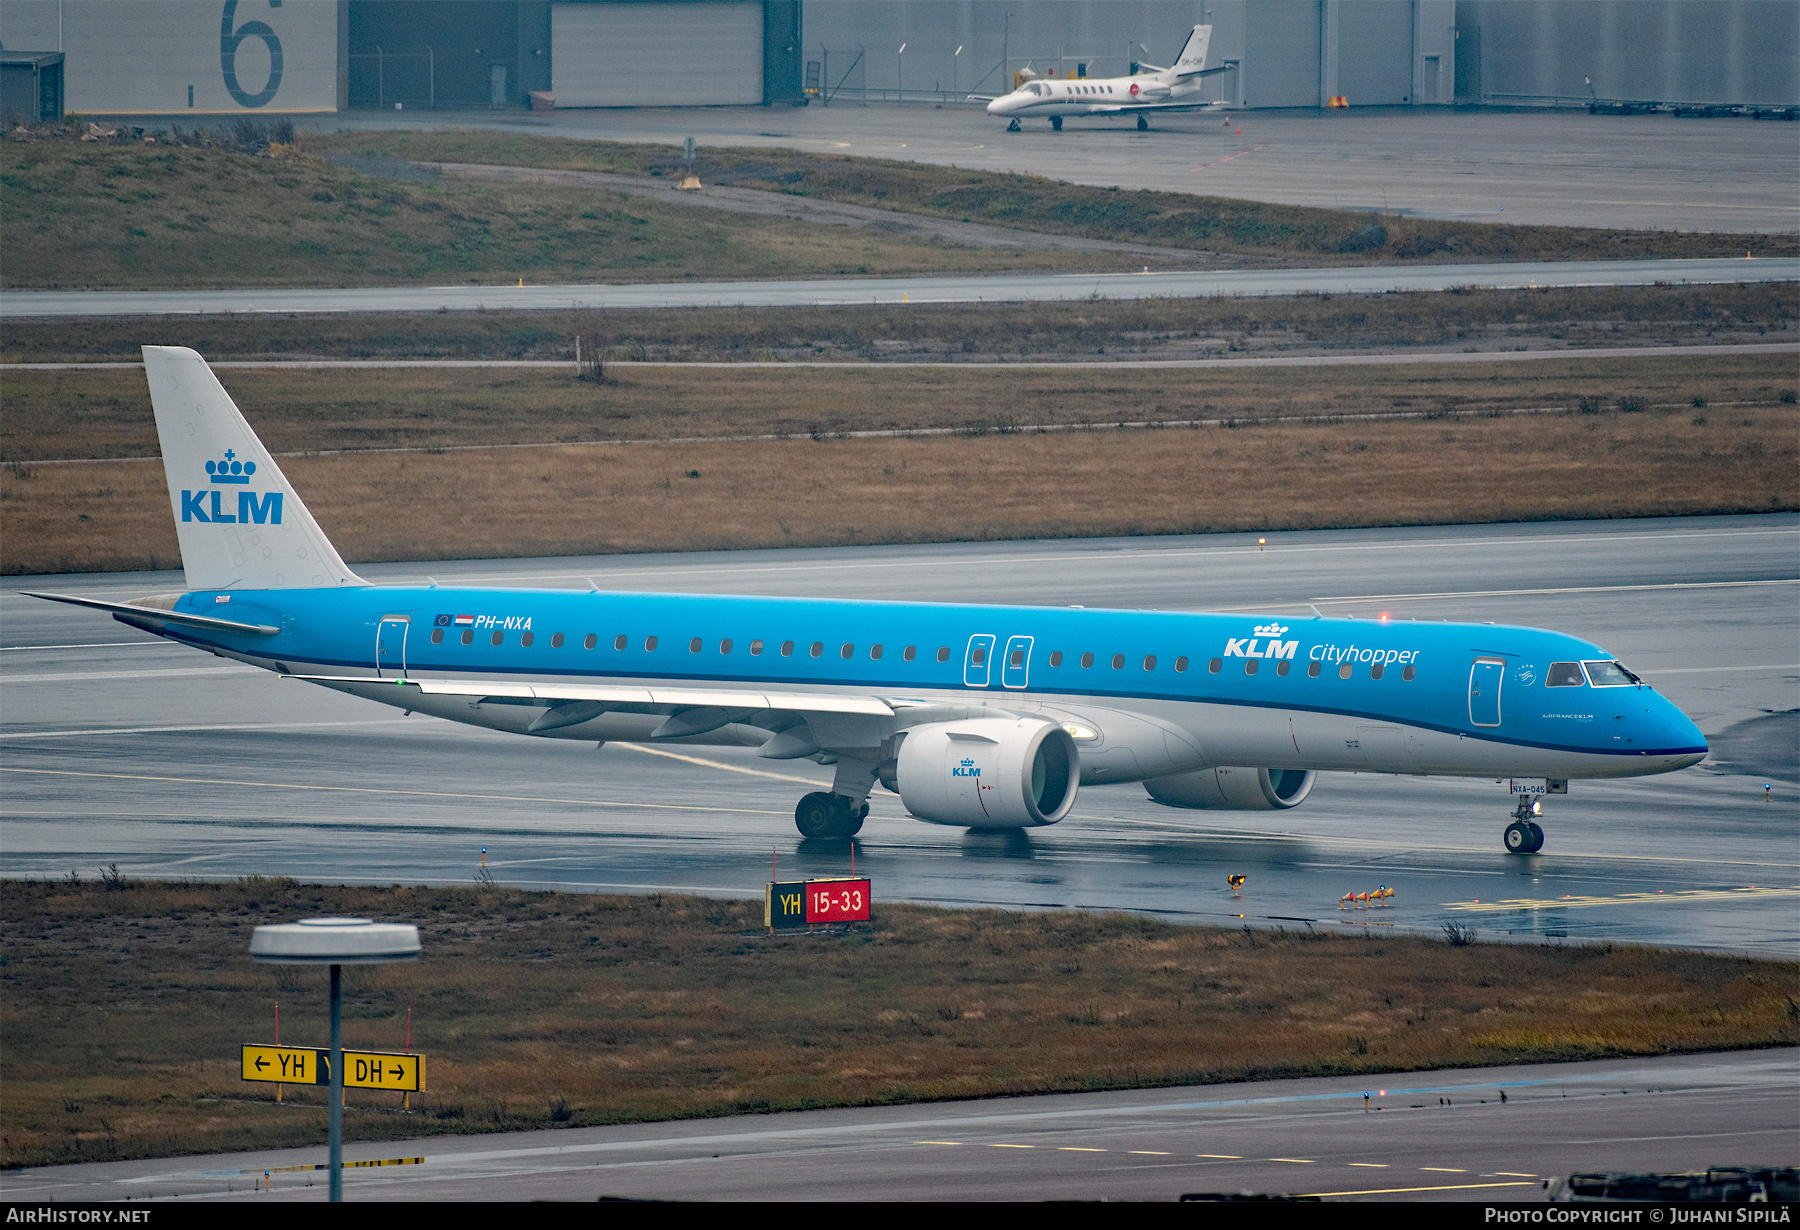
(1564,675)
(1038,87)
(1610,675)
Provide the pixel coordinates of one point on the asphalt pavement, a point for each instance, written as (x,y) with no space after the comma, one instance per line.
(1484,1134)
(118,748)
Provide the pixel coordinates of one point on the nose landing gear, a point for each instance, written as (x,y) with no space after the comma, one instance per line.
(1523,836)
(1013,126)
(822,815)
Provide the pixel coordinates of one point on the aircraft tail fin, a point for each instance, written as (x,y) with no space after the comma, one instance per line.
(1193,52)
(239,521)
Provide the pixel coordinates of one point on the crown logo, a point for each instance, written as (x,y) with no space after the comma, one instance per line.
(231,470)
(1270,630)
(967,763)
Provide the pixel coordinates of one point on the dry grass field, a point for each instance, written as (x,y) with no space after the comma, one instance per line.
(1090,329)
(90,216)
(984,481)
(1033,203)
(124,1008)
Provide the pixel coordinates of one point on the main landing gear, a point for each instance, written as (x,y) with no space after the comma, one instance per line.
(827,816)
(1143,124)
(1523,836)
(1056,122)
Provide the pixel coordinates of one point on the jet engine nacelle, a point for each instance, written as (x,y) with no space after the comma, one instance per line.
(1223,789)
(988,773)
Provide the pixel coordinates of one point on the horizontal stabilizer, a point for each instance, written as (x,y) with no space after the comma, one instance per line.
(132,611)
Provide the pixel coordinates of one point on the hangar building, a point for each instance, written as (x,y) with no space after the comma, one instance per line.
(212,57)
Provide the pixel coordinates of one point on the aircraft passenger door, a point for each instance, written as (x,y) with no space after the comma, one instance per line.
(977,663)
(1015,664)
(390,646)
(1484,691)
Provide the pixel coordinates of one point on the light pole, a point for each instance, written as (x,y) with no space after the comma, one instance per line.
(900,73)
(956,70)
(336,942)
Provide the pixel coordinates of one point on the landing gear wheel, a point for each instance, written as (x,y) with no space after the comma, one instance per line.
(1537,838)
(1056,123)
(1143,124)
(816,815)
(1518,837)
(1013,127)
(853,821)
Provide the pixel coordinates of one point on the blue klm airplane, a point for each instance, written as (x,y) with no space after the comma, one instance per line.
(982,716)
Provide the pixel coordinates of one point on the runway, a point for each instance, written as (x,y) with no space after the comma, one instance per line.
(973,288)
(118,748)
(1540,168)
(1493,1134)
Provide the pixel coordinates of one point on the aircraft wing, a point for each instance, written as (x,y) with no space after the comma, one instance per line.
(641,699)
(131,612)
(1134,108)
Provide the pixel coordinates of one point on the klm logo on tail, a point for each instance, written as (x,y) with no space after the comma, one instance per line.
(251,509)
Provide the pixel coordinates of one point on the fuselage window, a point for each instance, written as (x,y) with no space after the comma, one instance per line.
(1375,671)
(1181,666)
(1215,666)
(1407,672)
(1344,671)
(437,636)
(1016,658)
(694,645)
(556,640)
(756,649)
(1281,667)
(1087,660)
(649,644)
(978,655)
(591,640)
(1150,662)
(875,651)
(818,648)
(1312,670)
(1249,666)
(847,651)
(943,653)
(468,637)
(910,652)
(725,645)
(526,640)
(1564,675)
(1056,658)
(619,642)
(787,649)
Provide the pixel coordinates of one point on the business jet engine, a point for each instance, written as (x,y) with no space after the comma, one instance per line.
(987,773)
(1223,789)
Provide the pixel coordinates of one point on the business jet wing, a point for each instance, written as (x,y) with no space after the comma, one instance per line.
(1135,108)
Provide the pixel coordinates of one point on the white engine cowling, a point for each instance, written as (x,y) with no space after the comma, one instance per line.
(988,773)
(1223,789)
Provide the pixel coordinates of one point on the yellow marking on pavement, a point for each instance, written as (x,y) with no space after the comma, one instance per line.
(1513,1174)
(937,1142)
(1149,1152)
(1390,1191)
(1751,892)
(1447,1169)
(994,1146)
(1233,1156)
(1076,1149)
(1372,1165)
(1303,1161)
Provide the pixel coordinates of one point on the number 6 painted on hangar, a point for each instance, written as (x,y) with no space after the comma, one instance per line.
(228,49)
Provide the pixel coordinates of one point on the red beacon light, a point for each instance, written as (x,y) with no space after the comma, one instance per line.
(1384,617)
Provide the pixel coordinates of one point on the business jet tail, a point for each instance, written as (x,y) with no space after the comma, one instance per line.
(1193,52)
(239,521)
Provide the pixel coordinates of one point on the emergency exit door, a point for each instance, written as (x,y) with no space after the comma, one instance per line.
(390,646)
(1484,691)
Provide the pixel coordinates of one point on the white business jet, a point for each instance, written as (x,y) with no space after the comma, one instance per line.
(1148,89)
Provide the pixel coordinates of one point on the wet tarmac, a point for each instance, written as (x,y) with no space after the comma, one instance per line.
(118,748)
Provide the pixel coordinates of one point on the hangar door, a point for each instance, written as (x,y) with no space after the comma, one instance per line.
(1281,54)
(656,55)
(1375,50)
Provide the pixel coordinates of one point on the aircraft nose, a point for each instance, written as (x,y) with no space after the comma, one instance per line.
(994,108)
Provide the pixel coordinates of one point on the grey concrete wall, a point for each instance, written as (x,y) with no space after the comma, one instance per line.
(1737,51)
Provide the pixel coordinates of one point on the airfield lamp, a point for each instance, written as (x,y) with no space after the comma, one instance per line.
(336,942)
